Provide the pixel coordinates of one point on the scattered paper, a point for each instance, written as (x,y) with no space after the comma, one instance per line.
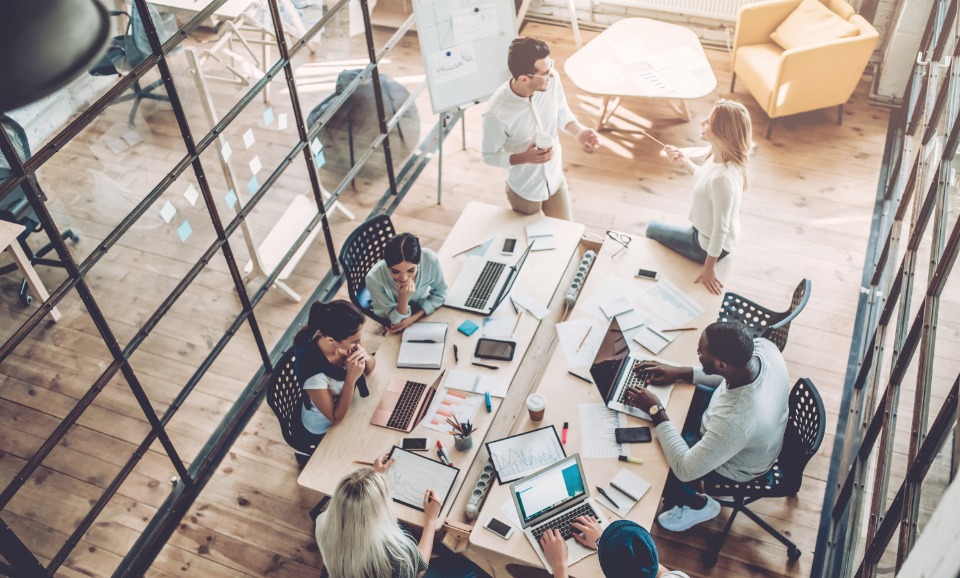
(579,341)
(658,61)
(597,431)
(653,340)
(650,83)
(613,308)
(116,145)
(498,326)
(631,319)
(627,489)
(191,194)
(226,151)
(509,511)
(184,231)
(670,303)
(268,117)
(282,121)
(480,250)
(533,306)
(248,139)
(167,211)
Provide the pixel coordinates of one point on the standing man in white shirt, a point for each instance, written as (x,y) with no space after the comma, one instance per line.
(521,131)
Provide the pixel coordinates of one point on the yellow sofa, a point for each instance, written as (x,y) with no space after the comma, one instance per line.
(804,78)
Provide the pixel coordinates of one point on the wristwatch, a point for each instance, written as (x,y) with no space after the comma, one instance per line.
(655,409)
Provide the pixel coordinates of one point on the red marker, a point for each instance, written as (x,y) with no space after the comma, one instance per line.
(563,437)
(442,454)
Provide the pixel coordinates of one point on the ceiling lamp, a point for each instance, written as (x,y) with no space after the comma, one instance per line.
(45,44)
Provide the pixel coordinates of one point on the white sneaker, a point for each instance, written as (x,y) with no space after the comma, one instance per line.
(680,518)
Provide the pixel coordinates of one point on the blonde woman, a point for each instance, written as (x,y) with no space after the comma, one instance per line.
(718,187)
(359,537)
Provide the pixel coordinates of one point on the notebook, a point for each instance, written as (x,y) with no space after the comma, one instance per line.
(541,235)
(421,346)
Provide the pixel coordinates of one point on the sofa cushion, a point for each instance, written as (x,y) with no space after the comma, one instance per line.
(810,23)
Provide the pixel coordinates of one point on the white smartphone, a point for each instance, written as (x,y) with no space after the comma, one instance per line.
(502,529)
(509,246)
(415,444)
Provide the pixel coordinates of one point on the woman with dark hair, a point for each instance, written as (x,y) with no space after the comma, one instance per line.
(331,361)
(407,283)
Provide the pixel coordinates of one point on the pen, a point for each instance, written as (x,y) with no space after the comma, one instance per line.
(434,498)
(582,341)
(456,354)
(363,463)
(486,400)
(420,341)
(485,365)
(579,377)
(564,434)
(638,461)
(607,496)
(681,329)
(624,492)
(443,455)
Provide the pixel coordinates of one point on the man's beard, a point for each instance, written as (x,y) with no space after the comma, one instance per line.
(710,369)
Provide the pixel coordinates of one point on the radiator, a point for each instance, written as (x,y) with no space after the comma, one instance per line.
(718,9)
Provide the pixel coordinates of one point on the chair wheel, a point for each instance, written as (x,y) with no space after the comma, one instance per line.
(26,300)
(793,553)
(73,237)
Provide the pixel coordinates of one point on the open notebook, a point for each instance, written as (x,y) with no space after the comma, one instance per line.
(422,346)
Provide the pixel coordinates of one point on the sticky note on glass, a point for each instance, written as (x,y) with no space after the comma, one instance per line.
(231,198)
(191,194)
(315,146)
(255,165)
(248,139)
(268,117)
(132,137)
(226,151)
(320,159)
(282,121)
(167,211)
(184,230)
(252,185)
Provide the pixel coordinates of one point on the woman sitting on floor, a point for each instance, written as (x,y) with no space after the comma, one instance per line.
(359,537)
(331,361)
(407,283)
(718,187)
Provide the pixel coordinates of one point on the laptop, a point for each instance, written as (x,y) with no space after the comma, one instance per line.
(612,371)
(484,283)
(552,498)
(404,404)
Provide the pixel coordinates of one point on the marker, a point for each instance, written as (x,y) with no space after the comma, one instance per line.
(607,496)
(456,354)
(638,461)
(564,434)
(443,455)
(486,400)
(485,365)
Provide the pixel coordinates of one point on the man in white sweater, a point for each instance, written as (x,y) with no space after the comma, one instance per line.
(735,426)
(520,131)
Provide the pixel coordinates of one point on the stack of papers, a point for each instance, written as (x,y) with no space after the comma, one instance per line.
(626,488)
(422,346)
(541,235)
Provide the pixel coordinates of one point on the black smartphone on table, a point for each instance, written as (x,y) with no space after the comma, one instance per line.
(414,444)
(633,435)
(495,349)
(509,245)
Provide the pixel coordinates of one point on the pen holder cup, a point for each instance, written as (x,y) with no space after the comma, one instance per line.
(463,443)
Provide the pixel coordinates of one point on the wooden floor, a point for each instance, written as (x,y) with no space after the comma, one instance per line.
(806,214)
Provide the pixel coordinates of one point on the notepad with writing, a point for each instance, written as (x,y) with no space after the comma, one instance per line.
(422,346)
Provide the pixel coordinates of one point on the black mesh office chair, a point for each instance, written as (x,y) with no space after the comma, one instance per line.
(285,398)
(806,424)
(15,208)
(761,321)
(127,51)
(361,251)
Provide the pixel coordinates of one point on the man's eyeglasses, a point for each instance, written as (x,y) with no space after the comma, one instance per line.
(548,73)
(620,238)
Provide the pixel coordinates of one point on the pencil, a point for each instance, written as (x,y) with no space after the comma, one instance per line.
(584,340)
(517,324)
(650,136)
(681,329)
(363,463)
(468,250)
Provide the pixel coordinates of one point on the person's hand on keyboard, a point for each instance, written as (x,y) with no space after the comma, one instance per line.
(641,398)
(658,373)
(586,531)
(555,550)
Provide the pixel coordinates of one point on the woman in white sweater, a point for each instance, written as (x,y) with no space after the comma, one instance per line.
(718,187)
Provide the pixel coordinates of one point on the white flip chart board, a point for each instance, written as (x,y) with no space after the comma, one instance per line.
(464,45)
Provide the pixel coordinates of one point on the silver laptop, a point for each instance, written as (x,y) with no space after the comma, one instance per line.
(612,371)
(484,283)
(552,498)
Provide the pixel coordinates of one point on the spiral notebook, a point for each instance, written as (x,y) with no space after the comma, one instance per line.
(421,346)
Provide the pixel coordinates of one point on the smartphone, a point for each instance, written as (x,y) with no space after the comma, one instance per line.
(495,349)
(415,444)
(632,435)
(509,245)
(648,274)
(499,528)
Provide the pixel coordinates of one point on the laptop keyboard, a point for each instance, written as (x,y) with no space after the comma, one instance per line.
(406,405)
(563,521)
(485,283)
(633,380)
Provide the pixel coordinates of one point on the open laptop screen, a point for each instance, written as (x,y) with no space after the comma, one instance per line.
(611,355)
(549,489)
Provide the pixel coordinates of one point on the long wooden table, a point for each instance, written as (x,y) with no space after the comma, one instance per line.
(565,393)
(355,438)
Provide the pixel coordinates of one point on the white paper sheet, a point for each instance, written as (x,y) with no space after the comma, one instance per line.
(476,383)
(615,307)
(534,307)
(521,455)
(498,326)
(509,511)
(578,346)
(597,425)
(452,63)
(474,23)
(668,302)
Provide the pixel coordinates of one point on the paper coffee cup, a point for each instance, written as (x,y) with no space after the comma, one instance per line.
(536,405)
(543,142)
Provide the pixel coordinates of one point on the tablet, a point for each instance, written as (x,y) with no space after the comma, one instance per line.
(411,475)
(523,454)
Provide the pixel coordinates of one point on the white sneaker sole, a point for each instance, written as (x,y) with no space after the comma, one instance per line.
(708,512)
